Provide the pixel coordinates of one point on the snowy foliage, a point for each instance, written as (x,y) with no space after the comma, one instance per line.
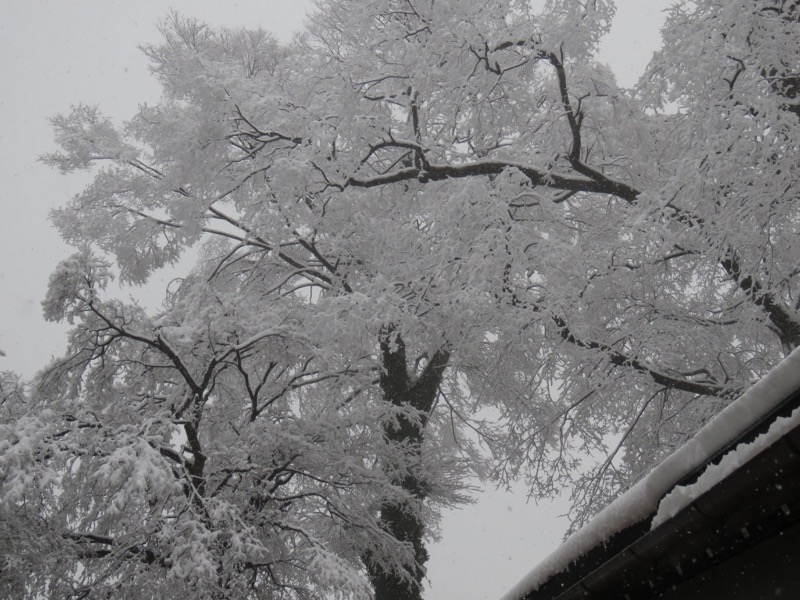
(436,238)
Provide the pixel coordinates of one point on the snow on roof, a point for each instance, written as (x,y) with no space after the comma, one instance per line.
(644,498)
(682,496)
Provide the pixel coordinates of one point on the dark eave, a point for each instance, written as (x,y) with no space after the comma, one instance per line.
(752,505)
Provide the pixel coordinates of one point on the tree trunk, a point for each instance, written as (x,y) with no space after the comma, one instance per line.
(401,388)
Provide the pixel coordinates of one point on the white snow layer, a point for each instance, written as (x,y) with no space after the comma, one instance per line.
(645,497)
(682,496)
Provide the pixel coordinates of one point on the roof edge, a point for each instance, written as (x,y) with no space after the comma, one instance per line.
(628,517)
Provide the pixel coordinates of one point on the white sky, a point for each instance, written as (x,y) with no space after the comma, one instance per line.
(54,54)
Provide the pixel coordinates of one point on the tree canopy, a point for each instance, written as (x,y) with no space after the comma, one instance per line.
(434,240)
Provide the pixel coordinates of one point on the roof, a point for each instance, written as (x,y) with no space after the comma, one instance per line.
(734,483)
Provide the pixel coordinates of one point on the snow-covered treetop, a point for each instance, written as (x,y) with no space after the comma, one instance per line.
(434,239)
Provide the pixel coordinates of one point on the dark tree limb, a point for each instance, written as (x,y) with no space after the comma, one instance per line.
(419,393)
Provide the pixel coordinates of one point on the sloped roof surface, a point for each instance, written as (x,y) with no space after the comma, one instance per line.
(726,467)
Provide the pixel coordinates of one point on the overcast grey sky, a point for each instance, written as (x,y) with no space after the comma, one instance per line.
(55,53)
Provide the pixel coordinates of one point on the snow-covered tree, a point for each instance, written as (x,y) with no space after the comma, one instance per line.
(433,237)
